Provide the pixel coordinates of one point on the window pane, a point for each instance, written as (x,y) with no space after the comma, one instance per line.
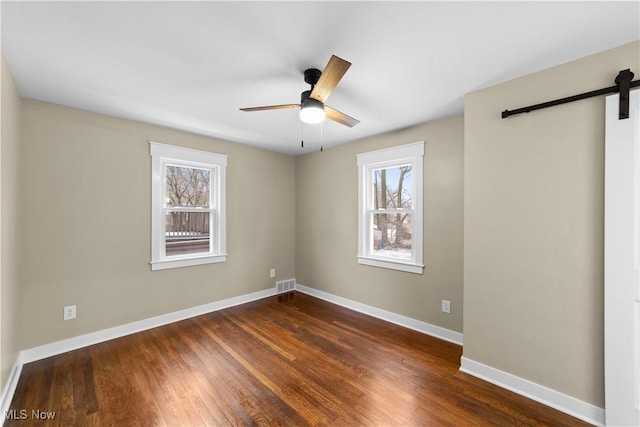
(187,232)
(392,188)
(187,186)
(392,235)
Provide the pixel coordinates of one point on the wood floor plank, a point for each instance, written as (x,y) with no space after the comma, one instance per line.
(288,360)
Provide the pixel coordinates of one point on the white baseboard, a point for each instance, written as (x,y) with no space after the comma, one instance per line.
(567,404)
(398,319)
(74,343)
(10,387)
(63,346)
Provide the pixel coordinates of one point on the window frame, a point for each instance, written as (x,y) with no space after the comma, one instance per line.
(367,163)
(163,155)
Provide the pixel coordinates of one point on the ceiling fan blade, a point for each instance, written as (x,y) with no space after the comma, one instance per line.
(271,107)
(337,116)
(333,72)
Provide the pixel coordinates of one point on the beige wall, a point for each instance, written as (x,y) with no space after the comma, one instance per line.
(86,189)
(9,225)
(326,227)
(533,244)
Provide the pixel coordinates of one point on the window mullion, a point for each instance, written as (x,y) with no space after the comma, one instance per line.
(391,211)
(187,209)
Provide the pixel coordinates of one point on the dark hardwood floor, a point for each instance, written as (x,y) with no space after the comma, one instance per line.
(290,360)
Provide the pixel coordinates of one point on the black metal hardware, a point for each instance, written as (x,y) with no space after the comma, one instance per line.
(311,76)
(623,80)
(623,85)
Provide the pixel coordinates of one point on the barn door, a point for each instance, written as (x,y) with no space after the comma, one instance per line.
(622,260)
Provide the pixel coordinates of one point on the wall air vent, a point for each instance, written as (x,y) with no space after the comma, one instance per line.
(285,286)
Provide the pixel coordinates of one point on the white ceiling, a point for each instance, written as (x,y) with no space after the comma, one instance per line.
(191,65)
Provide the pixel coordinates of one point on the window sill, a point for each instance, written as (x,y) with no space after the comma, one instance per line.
(392,265)
(186,262)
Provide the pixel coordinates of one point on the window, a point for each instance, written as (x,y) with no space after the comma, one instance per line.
(188,207)
(390,208)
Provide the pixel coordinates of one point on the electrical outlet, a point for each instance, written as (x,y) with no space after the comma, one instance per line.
(446,306)
(273,273)
(69,312)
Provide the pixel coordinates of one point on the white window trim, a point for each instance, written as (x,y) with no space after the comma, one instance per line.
(162,154)
(407,154)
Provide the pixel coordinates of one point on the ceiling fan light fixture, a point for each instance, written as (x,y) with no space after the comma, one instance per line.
(312,111)
(312,107)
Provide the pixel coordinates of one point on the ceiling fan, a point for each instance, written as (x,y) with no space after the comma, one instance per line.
(312,102)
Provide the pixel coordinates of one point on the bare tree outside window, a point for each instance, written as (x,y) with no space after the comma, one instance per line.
(393,202)
(188,217)
(187,186)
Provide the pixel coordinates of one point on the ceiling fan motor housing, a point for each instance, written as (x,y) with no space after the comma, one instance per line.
(304,96)
(306,101)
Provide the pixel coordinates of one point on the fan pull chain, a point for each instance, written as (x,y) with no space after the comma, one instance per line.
(321,136)
(301,135)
